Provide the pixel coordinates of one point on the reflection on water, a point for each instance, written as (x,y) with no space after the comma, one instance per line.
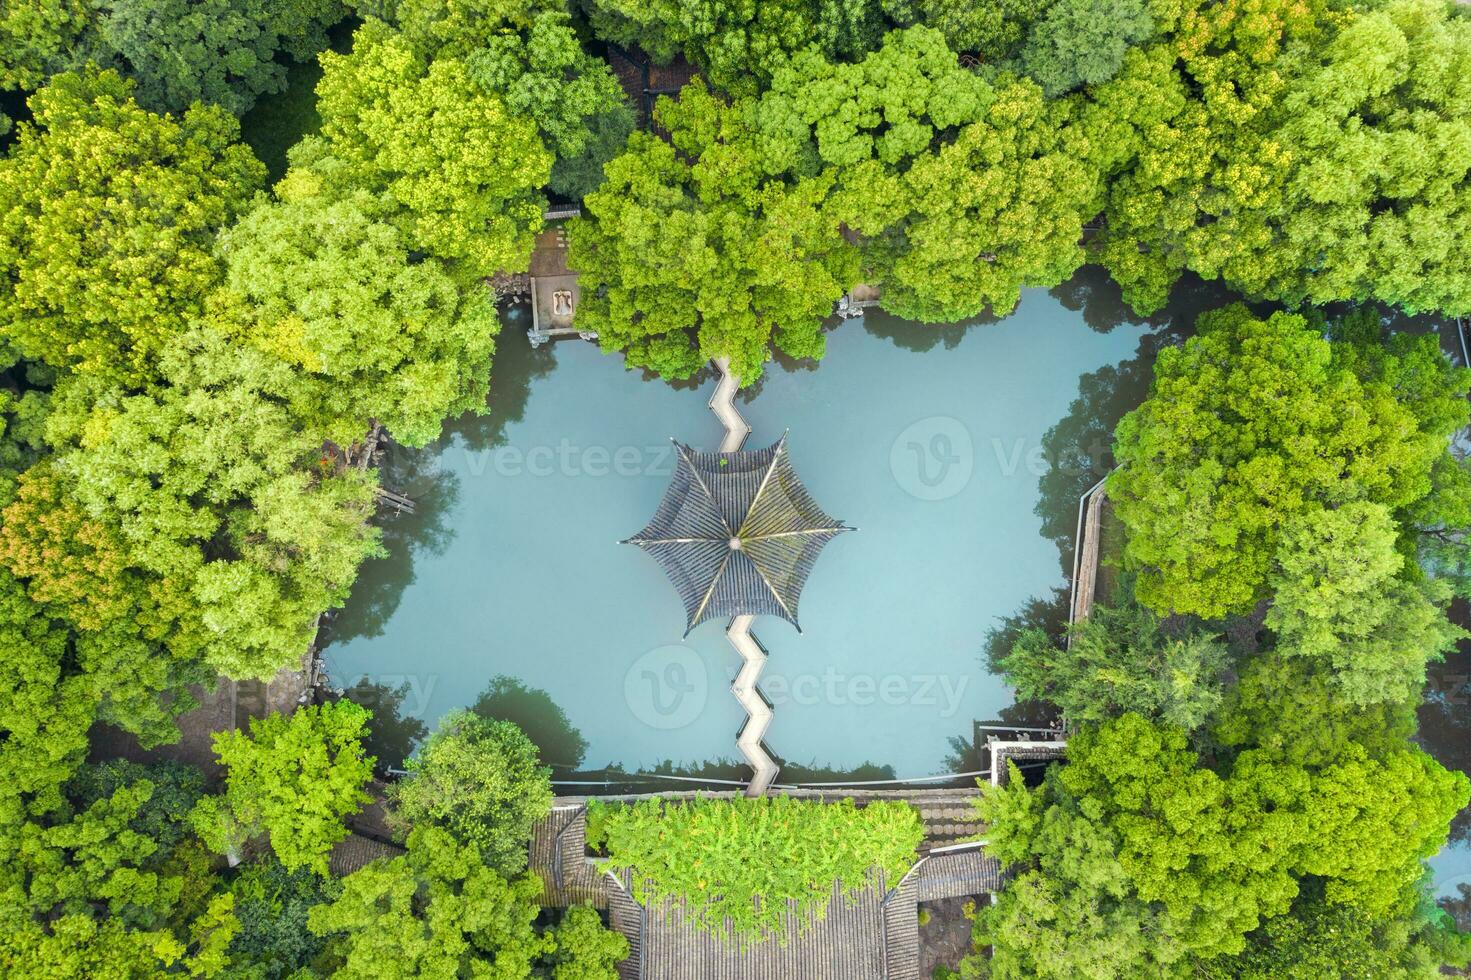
(957,450)
(1445,731)
(506,699)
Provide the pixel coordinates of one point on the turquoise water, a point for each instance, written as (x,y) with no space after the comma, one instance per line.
(927,439)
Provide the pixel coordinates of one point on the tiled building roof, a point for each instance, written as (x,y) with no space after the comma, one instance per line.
(873,935)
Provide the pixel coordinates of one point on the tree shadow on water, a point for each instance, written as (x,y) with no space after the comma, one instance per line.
(918,337)
(531,709)
(1050,614)
(1079,448)
(1092,292)
(516,368)
(430,478)
(392,735)
(1445,718)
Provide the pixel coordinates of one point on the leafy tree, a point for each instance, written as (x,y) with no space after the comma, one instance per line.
(1339,599)
(237,537)
(584,948)
(438,910)
(482,782)
(107,218)
(573,97)
(1082,42)
(1297,155)
(965,188)
(1178,132)
(85,895)
(690,251)
(178,51)
(1319,939)
(1135,857)
(738,46)
(530,56)
(1439,522)
(1370,136)
(164,817)
(1121,660)
(71,561)
(218,51)
(460,172)
(579,175)
(272,906)
(329,287)
(992,29)
(295,778)
(391,736)
(46,706)
(1251,425)
(1290,707)
(41,37)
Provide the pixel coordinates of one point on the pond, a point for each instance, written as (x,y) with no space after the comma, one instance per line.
(929,439)
(958,451)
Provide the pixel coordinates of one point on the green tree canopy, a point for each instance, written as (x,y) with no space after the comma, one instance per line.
(529,55)
(39,38)
(738,45)
(1136,857)
(177,51)
(107,220)
(232,530)
(704,854)
(964,188)
(1339,597)
(1082,42)
(1318,939)
(481,781)
(439,910)
(1371,139)
(272,906)
(223,52)
(1291,707)
(460,173)
(1178,134)
(87,893)
(1121,660)
(1296,153)
(295,778)
(696,250)
(960,189)
(332,289)
(1254,424)
(46,706)
(992,29)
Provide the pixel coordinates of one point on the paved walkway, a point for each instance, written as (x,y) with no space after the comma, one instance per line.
(753,655)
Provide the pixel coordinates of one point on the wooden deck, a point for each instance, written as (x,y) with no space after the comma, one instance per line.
(1086,553)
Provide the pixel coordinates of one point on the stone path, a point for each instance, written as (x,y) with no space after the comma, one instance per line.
(753,656)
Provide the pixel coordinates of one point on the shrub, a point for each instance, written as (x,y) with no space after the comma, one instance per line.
(481,781)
